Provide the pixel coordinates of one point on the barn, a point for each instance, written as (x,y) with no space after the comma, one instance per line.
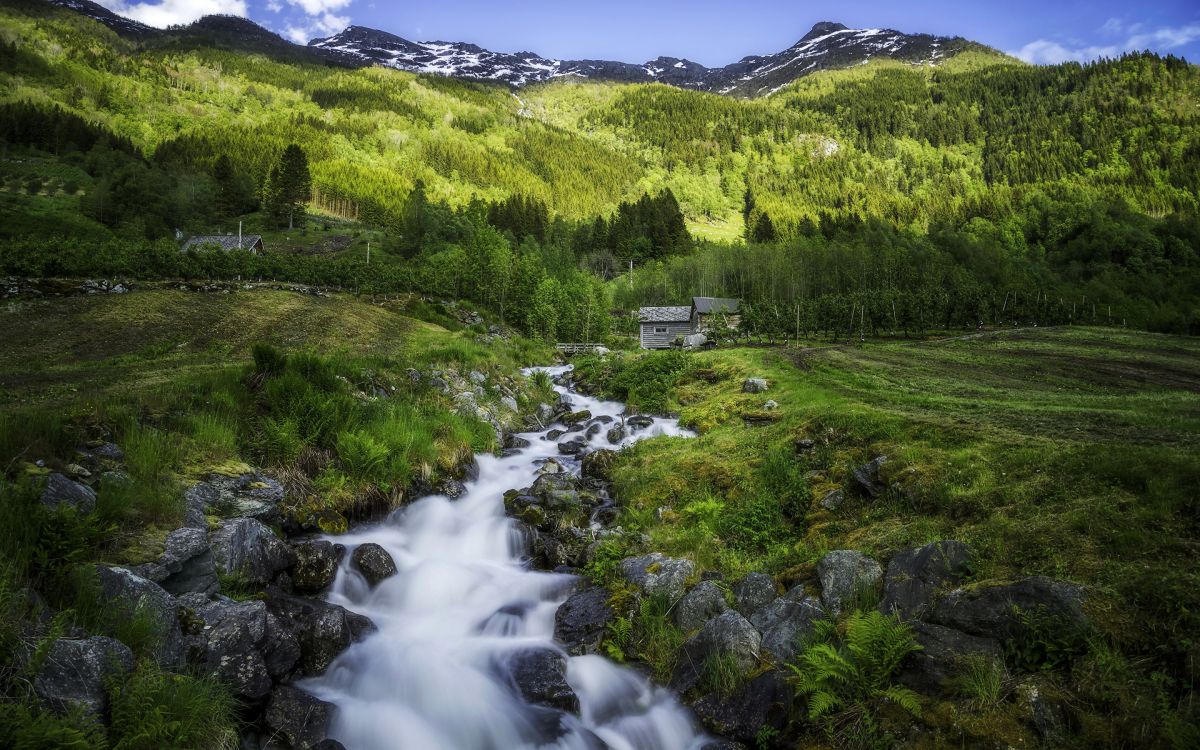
(662,325)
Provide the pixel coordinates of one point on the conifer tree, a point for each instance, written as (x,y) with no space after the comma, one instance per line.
(288,188)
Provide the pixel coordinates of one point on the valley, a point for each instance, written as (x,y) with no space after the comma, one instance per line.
(327,415)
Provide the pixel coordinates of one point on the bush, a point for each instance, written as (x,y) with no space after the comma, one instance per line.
(26,728)
(362,456)
(268,360)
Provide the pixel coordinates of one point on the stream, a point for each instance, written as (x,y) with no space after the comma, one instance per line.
(463,602)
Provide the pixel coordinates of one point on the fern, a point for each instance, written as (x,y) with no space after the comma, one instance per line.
(850,675)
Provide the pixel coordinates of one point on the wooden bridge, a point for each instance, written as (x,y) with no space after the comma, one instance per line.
(573,349)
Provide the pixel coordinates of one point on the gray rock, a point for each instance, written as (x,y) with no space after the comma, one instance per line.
(844,575)
(323,630)
(74,674)
(545,413)
(866,478)
(833,499)
(252,495)
(373,562)
(639,421)
(299,718)
(281,650)
(753,592)
(61,490)
(615,435)
(770,405)
(805,445)
(754,385)
(539,676)
(316,566)
(109,452)
(943,657)
(556,490)
(728,635)
(128,595)
(477,377)
(186,565)
(762,703)
(1045,715)
(197,500)
(451,488)
(694,341)
(785,624)
(513,442)
(915,575)
(1005,611)
(439,385)
(658,575)
(572,447)
(582,620)
(229,645)
(510,403)
(698,606)
(247,547)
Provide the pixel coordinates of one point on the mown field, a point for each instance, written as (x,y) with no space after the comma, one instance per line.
(1066,452)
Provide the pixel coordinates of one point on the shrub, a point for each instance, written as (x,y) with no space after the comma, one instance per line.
(268,360)
(845,678)
(26,728)
(279,441)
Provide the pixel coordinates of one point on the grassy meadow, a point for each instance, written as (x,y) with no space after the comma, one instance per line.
(1066,452)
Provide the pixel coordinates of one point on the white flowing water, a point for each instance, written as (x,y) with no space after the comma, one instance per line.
(464,600)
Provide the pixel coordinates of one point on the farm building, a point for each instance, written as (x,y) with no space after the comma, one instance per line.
(704,309)
(226,242)
(661,325)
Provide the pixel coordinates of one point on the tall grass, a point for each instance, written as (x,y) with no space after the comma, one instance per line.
(152,709)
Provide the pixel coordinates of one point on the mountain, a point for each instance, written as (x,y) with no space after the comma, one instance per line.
(827,45)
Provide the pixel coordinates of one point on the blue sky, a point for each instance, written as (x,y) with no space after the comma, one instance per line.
(716,32)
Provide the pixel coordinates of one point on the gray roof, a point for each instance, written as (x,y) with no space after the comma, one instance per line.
(223,241)
(706,305)
(665,314)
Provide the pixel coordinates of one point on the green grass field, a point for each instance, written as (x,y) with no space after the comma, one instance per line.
(1071,453)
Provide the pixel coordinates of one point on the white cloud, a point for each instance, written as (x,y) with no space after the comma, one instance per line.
(1049,52)
(319,7)
(321,21)
(173,12)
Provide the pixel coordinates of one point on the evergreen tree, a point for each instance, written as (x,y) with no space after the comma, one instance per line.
(289,188)
(764,229)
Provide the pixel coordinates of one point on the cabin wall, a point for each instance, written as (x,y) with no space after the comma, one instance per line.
(652,340)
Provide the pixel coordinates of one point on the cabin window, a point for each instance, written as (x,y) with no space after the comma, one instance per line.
(658,329)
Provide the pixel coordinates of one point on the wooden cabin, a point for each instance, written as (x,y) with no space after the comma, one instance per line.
(704,309)
(662,325)
(225,242)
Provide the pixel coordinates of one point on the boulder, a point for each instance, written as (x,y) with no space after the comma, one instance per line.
(943,657)
(128,595)
(833,499)
(1047,717)
(572,447)
(805,445)
(698,606)
(61,490)
(554,434)
(250,495)
(785,624)
(576,417)
(186,565)
(582,620)
(551,466)
(323,630)
(615,434)
(197,500)
(557,490)
(510,403)
(753,592)
(599,465)
(639,421)
(451,488)
(512,442)
(281,650)
(866,478)
(763,703)
(656,574)
(247,547)
(770,405)
(1012,610)
(915,575)
(845,574)
(694,341)
(299,718)
(315,567)
(539,676)
(728,635)
(75,673)
(373,562)
(109,452)
(754,385)
(228,645)
(477,377)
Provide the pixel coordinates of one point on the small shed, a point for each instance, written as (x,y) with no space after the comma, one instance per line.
(226,242)
(662,325)
(705,308)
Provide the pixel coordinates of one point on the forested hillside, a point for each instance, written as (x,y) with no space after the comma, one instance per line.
(1070,182)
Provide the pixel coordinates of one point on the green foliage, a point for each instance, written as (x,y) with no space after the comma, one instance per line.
(268,360)
(23,727)
(845,678)
(362,456)
(1045,642)
(983,680)
(153,709)
(644,382)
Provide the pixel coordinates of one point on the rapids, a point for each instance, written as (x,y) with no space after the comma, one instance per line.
(464,600)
